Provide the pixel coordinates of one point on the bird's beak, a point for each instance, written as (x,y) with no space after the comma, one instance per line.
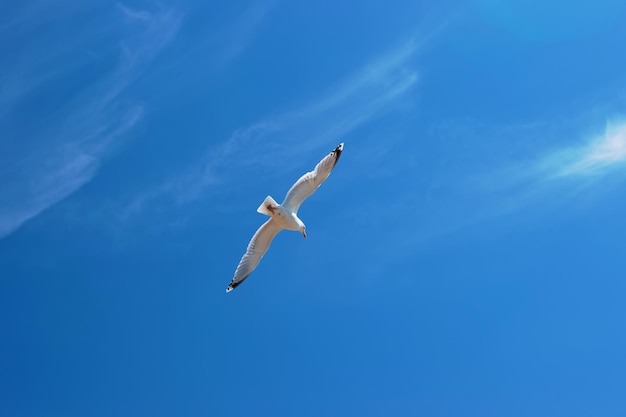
(304,233)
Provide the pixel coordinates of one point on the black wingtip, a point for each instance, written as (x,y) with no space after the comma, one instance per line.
(338,151)
(232,286)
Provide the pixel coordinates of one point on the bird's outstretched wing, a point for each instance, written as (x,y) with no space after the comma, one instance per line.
(309,182)
(256,249)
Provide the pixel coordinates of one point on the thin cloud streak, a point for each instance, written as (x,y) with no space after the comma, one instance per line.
(208,56)
(134,14)
(73,140)
(233,40)
(360,98)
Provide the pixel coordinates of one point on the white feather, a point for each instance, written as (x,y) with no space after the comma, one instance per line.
(257,247)
(283,216)
(309,182)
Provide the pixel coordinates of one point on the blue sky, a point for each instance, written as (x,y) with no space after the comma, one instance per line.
(465,258)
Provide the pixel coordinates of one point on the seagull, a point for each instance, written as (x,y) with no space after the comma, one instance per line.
(283,216)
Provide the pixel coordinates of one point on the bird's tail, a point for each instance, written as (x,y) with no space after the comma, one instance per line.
(268,205)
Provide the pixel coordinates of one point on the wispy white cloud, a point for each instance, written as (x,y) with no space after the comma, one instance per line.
(58,149)
(600,156)
(235,38)
(583,161)
(476,174)
(217,48)
(368,93)
(135,14)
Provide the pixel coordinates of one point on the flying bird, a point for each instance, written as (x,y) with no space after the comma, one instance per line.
(283,216)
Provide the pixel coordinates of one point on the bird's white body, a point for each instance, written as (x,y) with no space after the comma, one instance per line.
(283,216)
